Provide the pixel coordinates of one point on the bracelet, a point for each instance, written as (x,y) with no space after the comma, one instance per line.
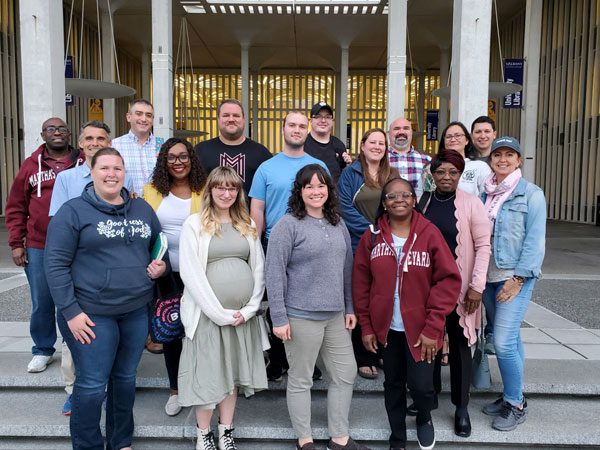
(518,279)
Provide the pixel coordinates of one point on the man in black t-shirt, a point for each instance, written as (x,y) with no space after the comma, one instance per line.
(231,148)
(322,145)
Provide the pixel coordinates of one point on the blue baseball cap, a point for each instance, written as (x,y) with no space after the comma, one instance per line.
(506,142)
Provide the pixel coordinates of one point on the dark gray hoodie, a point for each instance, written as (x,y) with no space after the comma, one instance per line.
(97,254)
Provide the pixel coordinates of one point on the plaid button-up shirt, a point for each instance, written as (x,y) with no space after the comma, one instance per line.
(410,165)
(139,159)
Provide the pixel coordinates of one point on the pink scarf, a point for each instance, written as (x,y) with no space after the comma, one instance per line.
(498,193)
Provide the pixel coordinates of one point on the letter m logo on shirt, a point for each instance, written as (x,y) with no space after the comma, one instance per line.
(237,163)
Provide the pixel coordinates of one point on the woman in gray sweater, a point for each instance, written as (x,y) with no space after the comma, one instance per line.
(309,267)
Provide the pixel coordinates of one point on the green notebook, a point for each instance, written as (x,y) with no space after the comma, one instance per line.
(160,246)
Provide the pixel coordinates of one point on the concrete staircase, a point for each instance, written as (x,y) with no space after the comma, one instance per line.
(563,396)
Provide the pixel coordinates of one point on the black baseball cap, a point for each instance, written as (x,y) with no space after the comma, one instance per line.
(317,107)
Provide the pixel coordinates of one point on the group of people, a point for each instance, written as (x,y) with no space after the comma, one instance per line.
(367,264)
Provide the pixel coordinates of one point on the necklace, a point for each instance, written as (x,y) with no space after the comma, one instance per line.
(446,199)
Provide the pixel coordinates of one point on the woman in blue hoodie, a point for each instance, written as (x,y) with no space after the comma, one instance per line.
(359,191)
(100,273)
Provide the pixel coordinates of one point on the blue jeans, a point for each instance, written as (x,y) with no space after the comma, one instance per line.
(42,325)
(507,318)
(111,359)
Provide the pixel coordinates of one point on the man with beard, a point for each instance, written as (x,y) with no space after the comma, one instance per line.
(270,192)
(322,145)
(139,147)
(231,148)
(27,221)
(409,163)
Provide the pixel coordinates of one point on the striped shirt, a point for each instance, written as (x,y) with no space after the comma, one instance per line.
(139,159)
(410,166)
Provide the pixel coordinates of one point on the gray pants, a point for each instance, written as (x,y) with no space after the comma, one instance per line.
(332,340)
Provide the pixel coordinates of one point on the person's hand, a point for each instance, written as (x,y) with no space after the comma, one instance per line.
(156,268)
(19,257)
(238,319)
(472,301)
(80,326)
(370,342)
(428,348)
(283,332)
(347,158)
(350,321)
(509,291)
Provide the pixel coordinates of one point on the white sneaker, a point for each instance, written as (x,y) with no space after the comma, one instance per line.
(205,440)
(226,441)
(38,363)
(172,408)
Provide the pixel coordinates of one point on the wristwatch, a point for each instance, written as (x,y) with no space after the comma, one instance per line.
(518,279)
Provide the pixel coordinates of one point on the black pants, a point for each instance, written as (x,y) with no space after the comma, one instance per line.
(276,353)
(460,361)
(172,350)
(364,358)
(401,369)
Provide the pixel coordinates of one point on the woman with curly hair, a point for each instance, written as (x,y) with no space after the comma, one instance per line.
(174,193)
(222,266)
(309,265)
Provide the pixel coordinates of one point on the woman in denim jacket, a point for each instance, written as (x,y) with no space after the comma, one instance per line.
(517,210)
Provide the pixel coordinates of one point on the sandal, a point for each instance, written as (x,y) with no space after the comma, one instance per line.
(444,360)
(368,372)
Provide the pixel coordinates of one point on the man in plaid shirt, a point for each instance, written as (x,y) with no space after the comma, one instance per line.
(409,163)
(139,148)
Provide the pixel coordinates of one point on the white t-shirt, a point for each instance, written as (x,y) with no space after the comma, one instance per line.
(473,177)
(397,322)
(171,213)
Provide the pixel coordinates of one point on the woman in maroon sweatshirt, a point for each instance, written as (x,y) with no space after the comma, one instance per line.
(404,283)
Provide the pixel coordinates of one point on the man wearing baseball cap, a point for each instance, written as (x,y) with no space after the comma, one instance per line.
(321,144)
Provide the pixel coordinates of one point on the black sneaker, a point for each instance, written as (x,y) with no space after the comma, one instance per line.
(509,418)
(426,435)
(317,374)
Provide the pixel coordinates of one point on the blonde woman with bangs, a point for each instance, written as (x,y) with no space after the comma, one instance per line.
(222,268)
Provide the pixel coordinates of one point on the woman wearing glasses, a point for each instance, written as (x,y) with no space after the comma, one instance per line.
(462,220)
(174,193)
(404,283)
(222,267)
(456,137)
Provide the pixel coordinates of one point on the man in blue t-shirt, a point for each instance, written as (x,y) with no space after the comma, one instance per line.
(272,183)
(270,192)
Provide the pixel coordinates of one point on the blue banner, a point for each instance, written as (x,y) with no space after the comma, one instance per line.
(513,73)
(69,99)
(432,124)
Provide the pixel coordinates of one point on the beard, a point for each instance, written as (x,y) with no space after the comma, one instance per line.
(232,136)
(294,145)
(401,142)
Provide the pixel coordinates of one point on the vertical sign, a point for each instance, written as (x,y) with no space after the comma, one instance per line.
(69,99)
(96,109)
(492,110)
(513,73)
(432,124)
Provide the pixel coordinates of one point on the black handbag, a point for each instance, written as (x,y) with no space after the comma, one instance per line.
(165,319)
(481,377)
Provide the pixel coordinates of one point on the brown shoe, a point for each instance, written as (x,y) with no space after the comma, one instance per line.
(153,347)
(307,446)
(350,445)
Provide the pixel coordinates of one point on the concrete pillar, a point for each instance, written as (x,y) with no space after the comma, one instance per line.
(471,28)
(396,59)
(255,106)
(162,67)
(246,87)
(42,44)
(444,69)
(146,75)
(420,110)
(531,53)
(342,103)
(108,71)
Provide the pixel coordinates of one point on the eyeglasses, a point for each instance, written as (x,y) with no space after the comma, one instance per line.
(456,137)
(395,195)
(222,190)
(442,173)
(52,129)
(323,117)
(183,158)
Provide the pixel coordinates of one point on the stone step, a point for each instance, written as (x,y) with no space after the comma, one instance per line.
(559,421)
(551,377)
